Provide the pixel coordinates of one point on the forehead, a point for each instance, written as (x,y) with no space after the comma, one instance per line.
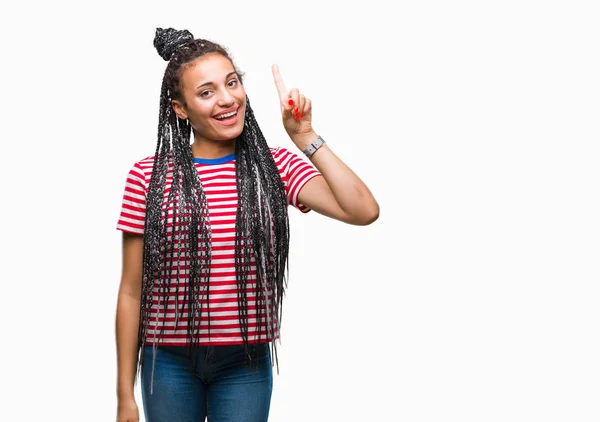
(211,67)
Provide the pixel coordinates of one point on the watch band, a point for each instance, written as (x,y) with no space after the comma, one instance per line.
(315,145)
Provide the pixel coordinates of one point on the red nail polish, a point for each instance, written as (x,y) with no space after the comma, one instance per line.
(302,115)
(291,102)
(297,117)
(296,110)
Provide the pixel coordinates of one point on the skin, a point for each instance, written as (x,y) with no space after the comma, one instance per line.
(211,138)
(127,323)
(337,193)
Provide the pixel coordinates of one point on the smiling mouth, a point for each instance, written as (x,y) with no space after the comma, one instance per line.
(227,115)
(230,118)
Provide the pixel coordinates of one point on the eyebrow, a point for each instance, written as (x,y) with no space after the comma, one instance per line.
(212,83)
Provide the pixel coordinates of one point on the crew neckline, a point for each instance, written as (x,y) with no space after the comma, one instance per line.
(219,160)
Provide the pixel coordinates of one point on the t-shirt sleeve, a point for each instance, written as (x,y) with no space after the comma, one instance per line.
(297,172)
(133,208)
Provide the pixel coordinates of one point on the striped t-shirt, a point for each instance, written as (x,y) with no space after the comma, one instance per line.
(219,184)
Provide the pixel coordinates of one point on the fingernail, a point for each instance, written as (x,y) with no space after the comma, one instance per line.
(302,115)
(296,110)
(291,102)
(297,117)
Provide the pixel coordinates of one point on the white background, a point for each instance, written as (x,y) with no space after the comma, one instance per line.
(473,297)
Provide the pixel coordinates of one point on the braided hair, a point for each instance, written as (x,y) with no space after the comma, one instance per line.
(261,225)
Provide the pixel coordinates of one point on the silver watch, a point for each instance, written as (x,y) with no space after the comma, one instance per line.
(315,145)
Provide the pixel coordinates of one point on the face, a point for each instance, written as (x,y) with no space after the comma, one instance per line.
(211,87)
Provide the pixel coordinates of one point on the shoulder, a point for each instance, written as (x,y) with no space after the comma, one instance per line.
(276,151)
(146,164)
(140,171)
(283,156)
(280,151)
(143,166)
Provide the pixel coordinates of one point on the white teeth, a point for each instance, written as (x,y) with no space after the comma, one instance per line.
(222,116)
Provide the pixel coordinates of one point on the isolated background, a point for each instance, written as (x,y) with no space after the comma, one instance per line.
(474,297)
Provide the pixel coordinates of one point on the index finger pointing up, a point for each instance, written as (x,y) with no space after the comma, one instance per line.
(281,89)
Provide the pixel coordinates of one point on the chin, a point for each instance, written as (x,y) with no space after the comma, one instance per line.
(232,133)
(239,132)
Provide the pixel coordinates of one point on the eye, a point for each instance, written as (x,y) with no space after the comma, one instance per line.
(235,82)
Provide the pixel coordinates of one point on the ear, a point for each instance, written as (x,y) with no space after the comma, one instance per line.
(179,109)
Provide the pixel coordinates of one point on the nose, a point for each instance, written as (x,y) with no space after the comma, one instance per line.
(225,98)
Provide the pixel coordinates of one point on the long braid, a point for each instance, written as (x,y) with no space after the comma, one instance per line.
(262,225)
(259,183)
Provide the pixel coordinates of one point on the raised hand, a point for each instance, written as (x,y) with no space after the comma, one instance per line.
(296,109)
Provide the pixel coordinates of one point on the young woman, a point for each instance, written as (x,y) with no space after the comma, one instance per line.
(206,237)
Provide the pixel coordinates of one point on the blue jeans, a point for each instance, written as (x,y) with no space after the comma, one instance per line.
(221,387)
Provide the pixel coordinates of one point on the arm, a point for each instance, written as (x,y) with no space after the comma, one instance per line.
(340,193)
(128,309)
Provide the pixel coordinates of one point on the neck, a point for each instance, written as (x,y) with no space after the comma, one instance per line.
(212,149)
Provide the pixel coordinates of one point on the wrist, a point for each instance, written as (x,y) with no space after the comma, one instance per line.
(125,390)
(303,140)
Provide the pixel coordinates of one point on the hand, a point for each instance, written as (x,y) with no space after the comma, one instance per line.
(127,411)
(297,116)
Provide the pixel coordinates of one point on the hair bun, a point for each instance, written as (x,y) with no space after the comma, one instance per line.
(166,41)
